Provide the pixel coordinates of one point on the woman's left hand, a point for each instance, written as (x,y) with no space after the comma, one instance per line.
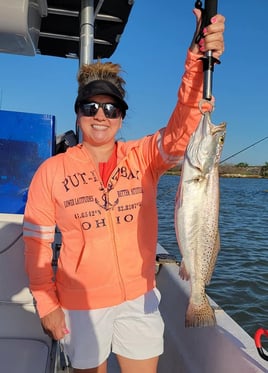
(213,35)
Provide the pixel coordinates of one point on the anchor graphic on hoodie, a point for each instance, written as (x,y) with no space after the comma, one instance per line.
(106,204)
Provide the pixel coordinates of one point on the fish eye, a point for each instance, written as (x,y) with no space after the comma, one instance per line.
(221,139)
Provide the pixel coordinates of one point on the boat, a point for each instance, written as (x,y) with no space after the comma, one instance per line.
(52,28)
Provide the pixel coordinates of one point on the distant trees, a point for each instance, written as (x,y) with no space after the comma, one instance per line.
(241,169)
(264,170)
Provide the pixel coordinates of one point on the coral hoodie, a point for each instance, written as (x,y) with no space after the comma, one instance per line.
(109,233)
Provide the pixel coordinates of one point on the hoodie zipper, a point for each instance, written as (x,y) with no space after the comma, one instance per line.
(106,191)
(114,247)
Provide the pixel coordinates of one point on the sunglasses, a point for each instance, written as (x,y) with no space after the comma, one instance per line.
(90,109)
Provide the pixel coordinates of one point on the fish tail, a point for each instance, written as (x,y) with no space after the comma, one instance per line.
(200,315)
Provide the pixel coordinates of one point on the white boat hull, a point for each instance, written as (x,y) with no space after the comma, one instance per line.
(226,348)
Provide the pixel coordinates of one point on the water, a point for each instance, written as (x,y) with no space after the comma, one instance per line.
(240,280)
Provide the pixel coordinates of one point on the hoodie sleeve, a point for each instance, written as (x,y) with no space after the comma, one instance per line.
(171,141)
(38,235)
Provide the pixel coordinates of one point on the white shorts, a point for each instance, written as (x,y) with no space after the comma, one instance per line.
(133,329)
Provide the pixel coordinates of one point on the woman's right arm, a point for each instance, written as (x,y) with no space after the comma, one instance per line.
(38,235)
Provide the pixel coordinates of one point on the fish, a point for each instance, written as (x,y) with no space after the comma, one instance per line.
(197,216)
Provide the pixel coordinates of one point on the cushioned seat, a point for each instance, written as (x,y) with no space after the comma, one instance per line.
(24,355)
(24,347)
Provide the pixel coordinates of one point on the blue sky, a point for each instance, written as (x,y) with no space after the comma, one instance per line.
(152,52)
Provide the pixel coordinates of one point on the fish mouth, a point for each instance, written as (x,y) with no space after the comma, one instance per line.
(217,128)
(210,128)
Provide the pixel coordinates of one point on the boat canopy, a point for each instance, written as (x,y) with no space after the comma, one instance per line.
(55,27)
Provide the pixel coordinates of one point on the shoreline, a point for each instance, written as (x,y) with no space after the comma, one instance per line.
(230,171)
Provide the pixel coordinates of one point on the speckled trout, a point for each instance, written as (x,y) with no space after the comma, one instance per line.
(197,215)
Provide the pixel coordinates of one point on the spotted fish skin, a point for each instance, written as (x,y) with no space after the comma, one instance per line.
(197,215)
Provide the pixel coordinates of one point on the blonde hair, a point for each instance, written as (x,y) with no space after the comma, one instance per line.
(101,71)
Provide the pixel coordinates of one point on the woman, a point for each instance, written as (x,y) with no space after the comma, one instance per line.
(102,196)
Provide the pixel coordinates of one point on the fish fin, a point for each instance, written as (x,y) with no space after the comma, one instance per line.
(213,259)
(201,315)
(184,274)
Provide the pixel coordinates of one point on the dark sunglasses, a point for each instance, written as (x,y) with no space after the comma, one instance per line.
(90,109)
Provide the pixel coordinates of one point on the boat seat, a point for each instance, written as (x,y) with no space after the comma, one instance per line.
(24,347)
(24,355)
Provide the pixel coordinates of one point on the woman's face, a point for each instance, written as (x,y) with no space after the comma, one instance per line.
(97,129)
